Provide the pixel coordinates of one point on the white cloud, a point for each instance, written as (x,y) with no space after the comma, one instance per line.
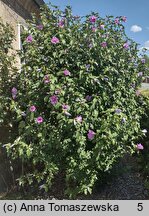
(146,45)
(135,28)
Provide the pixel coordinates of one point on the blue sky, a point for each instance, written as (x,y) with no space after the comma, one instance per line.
(136,11)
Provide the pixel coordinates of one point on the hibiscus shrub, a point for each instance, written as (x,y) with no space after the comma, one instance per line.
(76,99)
(143,155)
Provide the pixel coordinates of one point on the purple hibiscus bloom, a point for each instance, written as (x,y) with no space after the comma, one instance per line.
(117,21)
(94,29)
(61,23)
(93,19)
(104,44)
(118,111)
(101,26)
(32,108)
(66,72)
(14,92)
(65,107)
(40,27)
(90,45)
(124,18)
(29,39)
(78,119)
(46,79)
(54,40)
(54,100)
(143,61)
(88,98)
(106,78)
(126,45)
(133,85)
(39,120)
(140,146)
(91,134)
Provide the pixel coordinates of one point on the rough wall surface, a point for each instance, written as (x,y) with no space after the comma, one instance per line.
(17,11)
(24,8)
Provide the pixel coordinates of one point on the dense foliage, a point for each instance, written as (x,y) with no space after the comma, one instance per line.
(6,67)
(143,155)
(76,100)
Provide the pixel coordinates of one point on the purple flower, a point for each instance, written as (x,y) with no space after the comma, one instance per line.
(126,45)
(140,74)
(88,98)
(61,23)
(40,27)
(66,72)
(140,146)
(14,92)
(91,134)
(143,61)
(29,39)
(65,107)
(78,119)
(46,79)
(118,111)
(124,18)
(104,44)
(93,19)
(39,120)
(133,85)
(94,29)
(106,78)
(101,26)
(54,40)
(90,45)
(116,21)
(32,108)
(54,100)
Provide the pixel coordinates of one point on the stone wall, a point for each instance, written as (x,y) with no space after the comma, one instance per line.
(24,8)
(16,12)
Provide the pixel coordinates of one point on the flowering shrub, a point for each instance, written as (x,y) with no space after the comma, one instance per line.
(143,147)
(76,99)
